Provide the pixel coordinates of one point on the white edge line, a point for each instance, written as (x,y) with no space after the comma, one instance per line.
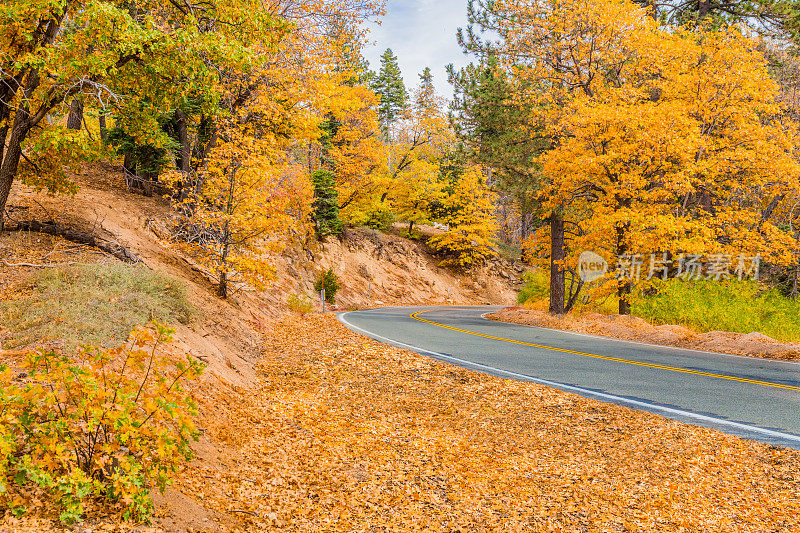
(578,390)
(616,339)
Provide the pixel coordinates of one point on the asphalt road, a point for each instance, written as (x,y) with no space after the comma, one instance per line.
(749,397)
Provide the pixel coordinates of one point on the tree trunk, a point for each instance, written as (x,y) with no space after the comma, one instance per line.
(556,264)
(184,159)
(8,170)
(75,118)
(222,289)
(624,292)
(5,189)
(3,135)
(103,127)
(623,283)
(574,291)
(129,162)
(52,228)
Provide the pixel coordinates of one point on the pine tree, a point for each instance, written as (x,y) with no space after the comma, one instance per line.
(501,134)
(426,94)
(326,203)
(389,86)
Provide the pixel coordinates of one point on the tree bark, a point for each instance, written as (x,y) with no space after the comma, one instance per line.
(767,212)
(8,170)
(184,159)
(572,294)
(129,163)
(103,128)
(75,118)
(53,228)
(556,264)
(623,283)
(222,289)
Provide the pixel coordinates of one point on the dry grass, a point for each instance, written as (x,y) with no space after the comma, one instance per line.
(97,304)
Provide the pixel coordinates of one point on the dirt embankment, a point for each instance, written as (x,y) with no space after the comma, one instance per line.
(375,269)
(636,329)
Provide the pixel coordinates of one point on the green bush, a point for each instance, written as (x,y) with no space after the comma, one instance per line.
(100,428)
(536,288)
(732,305)
(329,281)
(702,305)
(92,304)
(380,219)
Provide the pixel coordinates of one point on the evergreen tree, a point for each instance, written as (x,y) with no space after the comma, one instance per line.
(499,134)
(389,86)
(426,95)
(776,18)
(326,203)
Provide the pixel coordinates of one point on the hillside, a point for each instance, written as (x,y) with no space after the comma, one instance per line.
(376,269)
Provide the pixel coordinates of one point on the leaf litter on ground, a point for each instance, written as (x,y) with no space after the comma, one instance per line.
(346,434)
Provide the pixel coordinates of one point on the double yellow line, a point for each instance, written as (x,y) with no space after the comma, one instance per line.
(416,316)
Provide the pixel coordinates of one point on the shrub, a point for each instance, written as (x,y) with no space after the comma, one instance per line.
(299,304)
(380,219)
(329,281)
(536,288)
(92,304)
(732,305)
(101,428)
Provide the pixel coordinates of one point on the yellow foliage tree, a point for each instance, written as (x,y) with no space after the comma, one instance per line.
(470,219)
(354,151)
(685,157)
(414,157)
(244,211)
(416,192)
(664,139)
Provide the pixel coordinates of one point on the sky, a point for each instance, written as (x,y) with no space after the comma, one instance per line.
(421,33)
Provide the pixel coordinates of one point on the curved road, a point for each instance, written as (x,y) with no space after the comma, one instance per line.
(749,397)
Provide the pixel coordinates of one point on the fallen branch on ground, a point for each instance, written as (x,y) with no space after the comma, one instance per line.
(44,265)
(59,230)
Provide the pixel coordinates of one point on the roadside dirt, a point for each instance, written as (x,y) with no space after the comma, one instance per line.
(636,329)
(375,269)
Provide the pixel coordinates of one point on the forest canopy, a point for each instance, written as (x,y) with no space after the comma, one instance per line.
(632,129)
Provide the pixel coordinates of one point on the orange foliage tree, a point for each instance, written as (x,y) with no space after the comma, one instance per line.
(686,157)
(664,139)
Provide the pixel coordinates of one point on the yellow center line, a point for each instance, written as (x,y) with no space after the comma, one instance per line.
(416,316)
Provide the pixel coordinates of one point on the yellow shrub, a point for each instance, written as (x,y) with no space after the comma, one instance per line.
(100,428)
(299,304)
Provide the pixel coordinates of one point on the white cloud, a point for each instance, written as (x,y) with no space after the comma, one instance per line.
(421,33)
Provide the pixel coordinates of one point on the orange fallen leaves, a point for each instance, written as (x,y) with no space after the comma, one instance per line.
(345,434)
